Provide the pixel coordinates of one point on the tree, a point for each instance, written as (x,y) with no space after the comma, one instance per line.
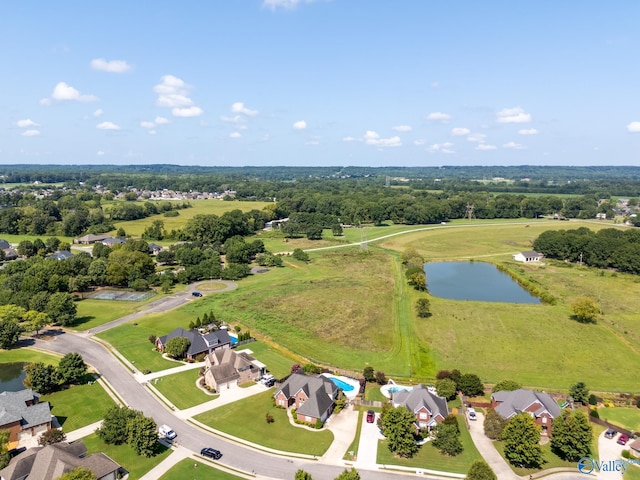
(381,378)
(61,308)
(143,435)
(300,254)
(423,308)
(79,473)
(471,385)
(55,435)
(585,310)
(418,280)
(368,374)
(397,425)
(4,448)
(571,435)
(349,475)
(494,424)
(41,377)
(302,475)
(71,368)
(9,333)
(480,470)
(176,347)
(506,385)
(114,426)
(522,442)
(580,393)
(447,439)
(446,388)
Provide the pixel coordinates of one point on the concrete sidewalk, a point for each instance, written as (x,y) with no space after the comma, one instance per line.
(230,395)
(486,448)
(177,454)
(83,432)
(170,371)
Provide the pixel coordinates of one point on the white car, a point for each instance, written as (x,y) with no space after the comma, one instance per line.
(167,432)
(472,413)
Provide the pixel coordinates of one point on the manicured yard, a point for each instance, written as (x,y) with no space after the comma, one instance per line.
(372,393)
(27,355)
(181,390)
(79,405)
(125,456)
(187,469)
(551,458)
(277,363)
(429,457)
(280,434)
(92,313)
(628,418)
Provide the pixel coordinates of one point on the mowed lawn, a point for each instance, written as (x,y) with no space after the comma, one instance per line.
(126,456)
(279,435)
(28,355)
(187,469)
(93,313)
(628,418)
(79,405)
(278,364)
(429,457)
(181,390)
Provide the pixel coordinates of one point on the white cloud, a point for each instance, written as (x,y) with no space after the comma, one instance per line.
(234,119)
(477,137)
(439,117)
(460,132)
(235,135)
(351,139)
(113,66)
(62,91)
(98,112)
(171,85)
(187,112)
(402,128)
(107,126)
(26,123)
(284,4)
(300,125)
(145,124)
(513,115)
(633,127)
(161,121)
(485,147)
(100,153)
(45,102)
(238,107)
(31,133)
(528,131)
(514,145)
(419,142)
(441,148)
(172,100)
(372,138)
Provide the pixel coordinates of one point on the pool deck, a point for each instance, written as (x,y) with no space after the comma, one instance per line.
(351,394)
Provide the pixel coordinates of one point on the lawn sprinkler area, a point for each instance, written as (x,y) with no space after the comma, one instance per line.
(121,296)
(349,386)
(392,387)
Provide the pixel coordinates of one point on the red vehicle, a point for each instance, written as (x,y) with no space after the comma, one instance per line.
(623,439)
(371,416)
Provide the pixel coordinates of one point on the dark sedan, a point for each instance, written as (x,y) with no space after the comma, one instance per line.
(211,453)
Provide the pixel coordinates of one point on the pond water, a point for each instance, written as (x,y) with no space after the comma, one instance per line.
(11,376)
(477,281)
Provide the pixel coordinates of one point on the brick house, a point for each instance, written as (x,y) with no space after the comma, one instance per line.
(226,366)
(23,415)
(429,408)
(198,342)
(312,397)
(539,405)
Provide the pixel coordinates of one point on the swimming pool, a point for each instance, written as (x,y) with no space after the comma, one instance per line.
(392,387)
(344,386)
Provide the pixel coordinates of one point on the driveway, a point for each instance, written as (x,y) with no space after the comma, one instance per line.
(368,446)
(488,451)
(609,450)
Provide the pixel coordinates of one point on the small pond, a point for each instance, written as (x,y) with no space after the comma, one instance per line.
(11,376)
(477,281)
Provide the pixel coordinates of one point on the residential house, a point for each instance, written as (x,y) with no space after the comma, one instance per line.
(9,253)
(539,405)
(635,447)
(89,239)
(312,397)
(23,416)
(52,461)
(198,342)
(111,241)
(154,249)
(429,408)
(4,244)
(527,257)
(60,255)
(226,366)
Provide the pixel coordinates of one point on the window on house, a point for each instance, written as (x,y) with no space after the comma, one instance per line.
(423,415)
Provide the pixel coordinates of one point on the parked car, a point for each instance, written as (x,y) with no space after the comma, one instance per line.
(371,416)
(623,439)
(610,433)
(472,413)
(167,432)
(211,453)
(196,294)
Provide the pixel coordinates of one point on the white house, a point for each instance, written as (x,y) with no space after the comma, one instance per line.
(527,257)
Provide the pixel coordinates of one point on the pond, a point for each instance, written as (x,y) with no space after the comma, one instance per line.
(11,376)
(477,281)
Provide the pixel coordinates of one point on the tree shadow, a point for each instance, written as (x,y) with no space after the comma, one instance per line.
(81,320)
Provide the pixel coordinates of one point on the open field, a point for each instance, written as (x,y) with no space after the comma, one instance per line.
(16,239)
(27,355)
(187,469)
(280,434)
(93,313)
(79,405)
(123,454)
(181,390)
(628,418)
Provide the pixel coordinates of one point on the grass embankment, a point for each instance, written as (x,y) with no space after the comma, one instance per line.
(181,390)
(628,418)
(278,364)
(429,457)
(279,435)
(79,405)
(93,313)
(551,459)
(135,464)
(28,355)
(187,469)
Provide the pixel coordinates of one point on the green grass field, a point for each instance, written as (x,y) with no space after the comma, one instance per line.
(280,434)
(551,459)
(181,390)
(136,465)
(187,469)
(28,355)
(79,405)
(277,363)
(372,393)
(628,418)
(93,313)
(429,457)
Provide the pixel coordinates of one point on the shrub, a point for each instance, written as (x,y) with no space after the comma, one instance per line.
(152,339)
(269,418)
(381,378)
(593,400)
(594,413)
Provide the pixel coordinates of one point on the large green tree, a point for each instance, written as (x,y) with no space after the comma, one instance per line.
(522,442)
(349,475)
(397,425)
(571,435)
(79,473)
(41,377)
(143,435)
(302,475)
(471,385)
(10,332)
(585,310)
(176,347)
(114,426)
(506,385)
(61,308)
(71,368)
(447,439)
(494,425)
(480,470)
(446,388)
(579,392)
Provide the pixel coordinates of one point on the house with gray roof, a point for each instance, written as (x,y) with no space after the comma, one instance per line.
(198,342)
(53,461)
(429,408)
(90,238)
(4,244)
(23,416)
(60,255)
(540,405)
(312,397)
(225,366)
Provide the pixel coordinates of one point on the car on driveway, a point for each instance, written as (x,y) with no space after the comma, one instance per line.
(472,413)
(211,453)
(371,416)
(610,433)
(623,439)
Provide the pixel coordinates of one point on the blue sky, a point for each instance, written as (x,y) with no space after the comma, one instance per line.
(320,82)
